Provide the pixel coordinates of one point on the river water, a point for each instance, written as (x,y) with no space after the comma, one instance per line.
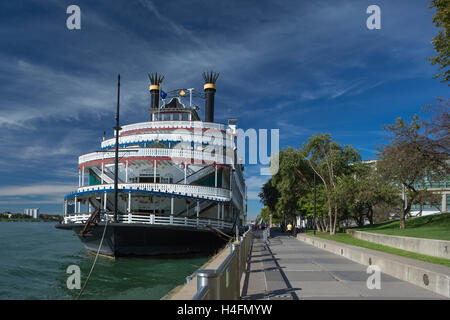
(34,257)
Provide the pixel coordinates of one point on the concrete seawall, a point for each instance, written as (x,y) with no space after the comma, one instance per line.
(435,278)
(188,290)
(430,247)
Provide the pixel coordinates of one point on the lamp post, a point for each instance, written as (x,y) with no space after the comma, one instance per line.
(116,158)
(270,225)
(314,203)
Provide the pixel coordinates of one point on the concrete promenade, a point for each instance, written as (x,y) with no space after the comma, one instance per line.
(289,269)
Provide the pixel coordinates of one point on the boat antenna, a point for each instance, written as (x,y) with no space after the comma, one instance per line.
(116,160)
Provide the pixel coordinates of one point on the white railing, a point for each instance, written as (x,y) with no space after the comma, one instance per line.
(154,219)
(216,140)
(198,174)
(158,152)
(172,124)
(210,193)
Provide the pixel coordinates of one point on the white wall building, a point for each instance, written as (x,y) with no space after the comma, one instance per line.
(34,213)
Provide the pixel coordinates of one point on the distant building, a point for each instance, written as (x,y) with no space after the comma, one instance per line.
(442,188)
(34,213)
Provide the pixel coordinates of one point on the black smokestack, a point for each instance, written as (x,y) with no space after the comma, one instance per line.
(210,90)
(155,83)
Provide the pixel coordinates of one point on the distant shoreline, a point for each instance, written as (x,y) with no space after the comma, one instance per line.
(26,220)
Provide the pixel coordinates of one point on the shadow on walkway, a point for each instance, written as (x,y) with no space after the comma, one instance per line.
(260,249)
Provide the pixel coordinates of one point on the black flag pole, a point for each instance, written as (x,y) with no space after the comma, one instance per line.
(116,160)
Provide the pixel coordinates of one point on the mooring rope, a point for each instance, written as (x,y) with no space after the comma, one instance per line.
(95,260)
(220,233)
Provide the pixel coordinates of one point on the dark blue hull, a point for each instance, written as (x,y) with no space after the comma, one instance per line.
(148,240)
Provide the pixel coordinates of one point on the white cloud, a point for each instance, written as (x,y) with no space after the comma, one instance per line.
(37,190)
(253,195)
(31,202)
(255,182)
(254,185)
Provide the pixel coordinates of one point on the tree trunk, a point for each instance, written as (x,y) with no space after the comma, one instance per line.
(330,217)
(319,224)
(333,225)
(405,212)
(402,223)
(361,221)
(403,219)
(324,225)
(371,216)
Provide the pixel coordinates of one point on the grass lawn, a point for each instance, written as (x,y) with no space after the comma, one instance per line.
(348,239)
(429,227)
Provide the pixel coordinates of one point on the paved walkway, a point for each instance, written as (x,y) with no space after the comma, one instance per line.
(289,269)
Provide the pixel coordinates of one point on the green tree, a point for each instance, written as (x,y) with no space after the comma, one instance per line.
(266,213)
(438,128)
(441,41)
(427,197)
(306,206)
(373,192)
(291,181)
(411,159)
(359,193)
(329,159)
(269,195)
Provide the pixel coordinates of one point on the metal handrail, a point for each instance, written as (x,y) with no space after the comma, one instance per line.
(202,294)
(219,284)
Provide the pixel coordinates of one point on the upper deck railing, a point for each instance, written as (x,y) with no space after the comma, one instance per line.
(178,136)
(186,190)
(129,128)
(159,152)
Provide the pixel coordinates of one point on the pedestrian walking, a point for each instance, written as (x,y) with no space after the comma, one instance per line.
(289,229)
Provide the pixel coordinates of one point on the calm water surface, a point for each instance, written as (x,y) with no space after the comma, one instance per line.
(34,257)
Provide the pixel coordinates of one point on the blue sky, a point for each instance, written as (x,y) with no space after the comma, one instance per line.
(300,66)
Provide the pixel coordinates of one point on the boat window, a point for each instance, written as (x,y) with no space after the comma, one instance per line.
(166,116)
(176,116)
(148,180)
(185,116)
